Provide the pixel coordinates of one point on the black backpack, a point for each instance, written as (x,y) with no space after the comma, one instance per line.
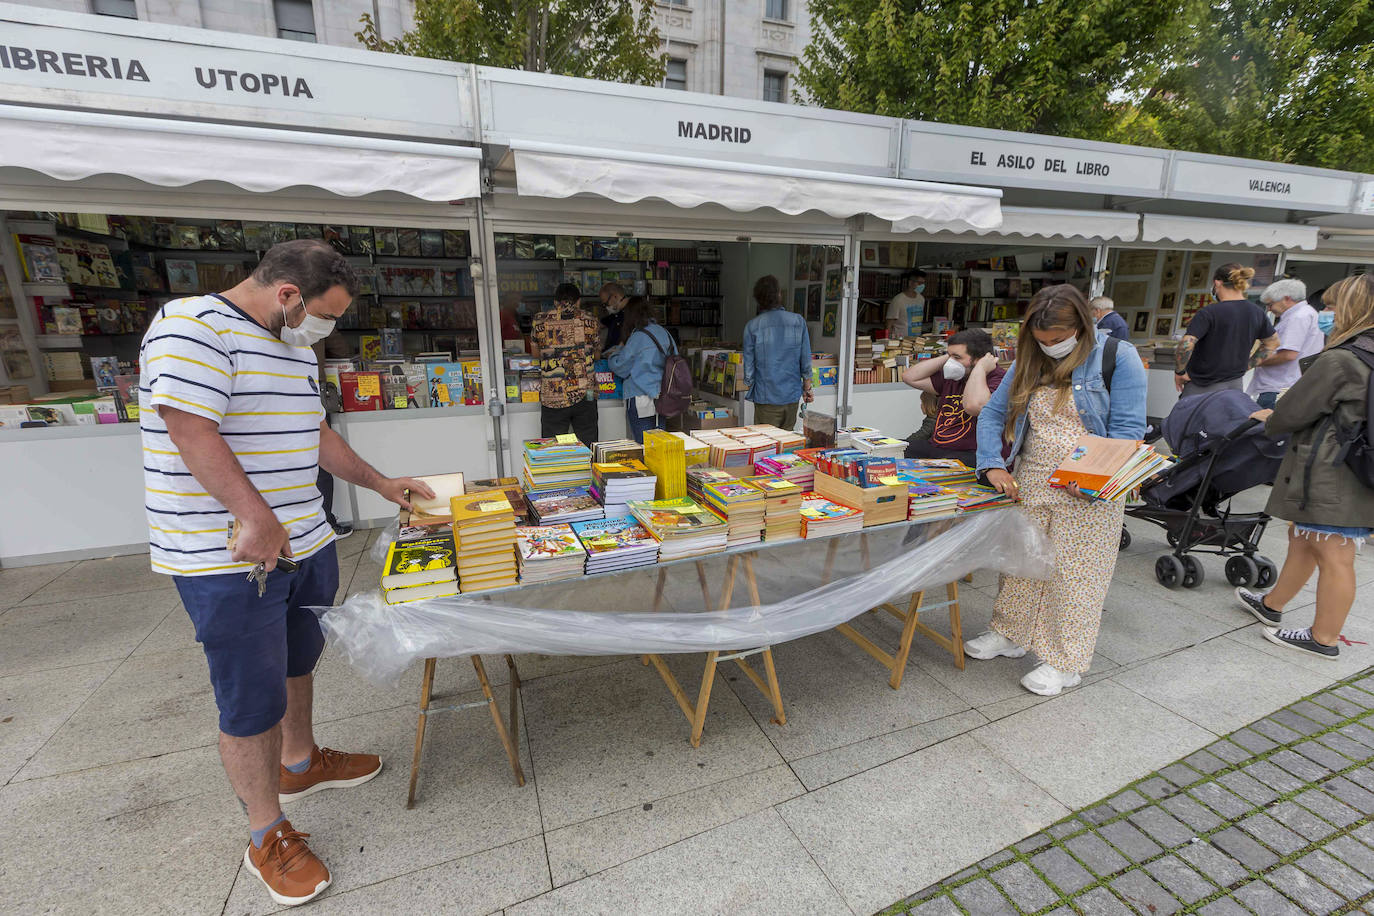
(675,391)
(1356,447)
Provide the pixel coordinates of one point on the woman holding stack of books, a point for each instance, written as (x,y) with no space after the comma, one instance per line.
(1054,393)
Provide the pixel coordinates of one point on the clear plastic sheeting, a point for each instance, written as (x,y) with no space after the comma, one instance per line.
(746,598)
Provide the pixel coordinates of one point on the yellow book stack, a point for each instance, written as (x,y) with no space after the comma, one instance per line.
(484,533)
(665,456)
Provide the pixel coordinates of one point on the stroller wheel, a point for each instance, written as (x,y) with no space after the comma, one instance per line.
(1169,571)
(1125,538)
(1268,572)
(1242,571)
(1193,573)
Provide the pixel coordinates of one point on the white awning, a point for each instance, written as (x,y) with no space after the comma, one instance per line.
(71,145)
(1227,232)
(544,170)
(1035,222)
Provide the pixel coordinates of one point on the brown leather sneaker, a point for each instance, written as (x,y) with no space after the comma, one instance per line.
(293,874)
(328,770)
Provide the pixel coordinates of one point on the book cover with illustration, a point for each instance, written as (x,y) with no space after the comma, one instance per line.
(614,536)
(547,542)
(420,562)
(668,518)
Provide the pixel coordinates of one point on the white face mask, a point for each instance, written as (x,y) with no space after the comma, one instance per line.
(1061,349)
(953,370)
(310,331)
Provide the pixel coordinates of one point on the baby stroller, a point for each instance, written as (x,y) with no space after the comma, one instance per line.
(1221,452)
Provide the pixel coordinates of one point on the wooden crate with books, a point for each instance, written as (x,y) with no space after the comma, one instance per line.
(881,505)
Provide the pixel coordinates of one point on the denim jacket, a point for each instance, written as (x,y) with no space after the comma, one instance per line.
(777,357)
(1119,414)
(640,363)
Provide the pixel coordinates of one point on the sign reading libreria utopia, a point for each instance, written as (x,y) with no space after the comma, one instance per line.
(78,67)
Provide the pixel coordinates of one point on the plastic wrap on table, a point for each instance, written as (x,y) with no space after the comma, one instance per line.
(804,587)
(385,538)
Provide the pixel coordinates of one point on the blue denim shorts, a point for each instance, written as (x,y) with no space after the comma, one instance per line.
(254,644)
(1358,535)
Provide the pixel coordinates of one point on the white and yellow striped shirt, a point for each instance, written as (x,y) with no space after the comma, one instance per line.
(205,356)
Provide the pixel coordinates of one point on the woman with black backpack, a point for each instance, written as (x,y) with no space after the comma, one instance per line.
(1325,485)
(639,360)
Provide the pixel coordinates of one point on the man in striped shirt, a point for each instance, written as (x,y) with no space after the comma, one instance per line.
(233,429)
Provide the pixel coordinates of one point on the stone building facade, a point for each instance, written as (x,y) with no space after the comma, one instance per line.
(744,48)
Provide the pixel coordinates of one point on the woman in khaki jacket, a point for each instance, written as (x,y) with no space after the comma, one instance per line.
(1331,510)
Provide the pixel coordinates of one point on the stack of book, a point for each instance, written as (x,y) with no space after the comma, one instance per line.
(575,504)
(509,486)
(727,452)
(740,505)
(694,451)
(943,472)
(664,455)
(617,450)
(822,518)
(927,501)
(791,467)
(615,544)
(880,446)
(615,484)
(781,508)
(484,531)
(698,477)
(421,566)
(556,464)
(681,527)
(844,435)
(787,441)
(549,553)
(978,498)
(1108,468)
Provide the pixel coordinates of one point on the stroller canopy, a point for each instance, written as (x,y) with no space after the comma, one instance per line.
(1197,427)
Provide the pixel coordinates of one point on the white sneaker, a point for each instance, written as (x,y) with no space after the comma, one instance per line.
(1049,681)
(992,645)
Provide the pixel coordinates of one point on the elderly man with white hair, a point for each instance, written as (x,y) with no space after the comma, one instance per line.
(1108,320)
(1299,334)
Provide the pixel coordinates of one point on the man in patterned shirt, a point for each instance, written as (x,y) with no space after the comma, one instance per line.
(567,341)
(233,430)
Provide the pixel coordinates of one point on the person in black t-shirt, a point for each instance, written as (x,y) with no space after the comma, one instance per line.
(1215,352)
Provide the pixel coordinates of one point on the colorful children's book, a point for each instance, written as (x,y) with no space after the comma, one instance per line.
(420,562)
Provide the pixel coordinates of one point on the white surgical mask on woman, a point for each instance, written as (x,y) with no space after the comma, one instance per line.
(953,370)
(1061,349)
(310,331)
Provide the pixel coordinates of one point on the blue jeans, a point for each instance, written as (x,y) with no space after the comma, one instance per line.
(1267,400)
(636,425)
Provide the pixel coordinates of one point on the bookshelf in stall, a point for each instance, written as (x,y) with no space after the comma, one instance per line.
(94,283)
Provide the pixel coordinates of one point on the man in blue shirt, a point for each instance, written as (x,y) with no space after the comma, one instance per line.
(777,358)
(1108,320)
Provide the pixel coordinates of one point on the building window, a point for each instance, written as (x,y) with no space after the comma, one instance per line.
(677,2)
(124,9)
(676,75)
(774,86)
(775,9)
(295,19)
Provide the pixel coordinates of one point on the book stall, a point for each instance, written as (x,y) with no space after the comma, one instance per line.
(118,194)
(725,542)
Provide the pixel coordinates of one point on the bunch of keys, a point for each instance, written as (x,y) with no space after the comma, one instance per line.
(258,573)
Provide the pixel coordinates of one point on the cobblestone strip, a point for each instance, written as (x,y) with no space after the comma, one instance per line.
(1275,818)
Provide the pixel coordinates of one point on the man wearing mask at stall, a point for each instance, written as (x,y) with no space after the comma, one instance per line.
(907,309)
(963,380)
(1108,320)
(233,431)
(1299,337)
(1215,352)
(613,300)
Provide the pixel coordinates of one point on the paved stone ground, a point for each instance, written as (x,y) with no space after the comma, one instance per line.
(1275,818)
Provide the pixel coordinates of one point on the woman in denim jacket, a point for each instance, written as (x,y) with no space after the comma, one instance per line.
(1053,394)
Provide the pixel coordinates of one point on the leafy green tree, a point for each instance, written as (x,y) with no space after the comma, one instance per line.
(613,40)
(1280,80)
(1046,67)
